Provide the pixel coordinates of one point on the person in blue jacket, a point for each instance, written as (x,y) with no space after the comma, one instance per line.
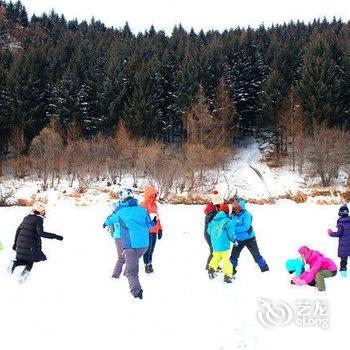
(245,236)
(221,232)
(133,223)
(115,233)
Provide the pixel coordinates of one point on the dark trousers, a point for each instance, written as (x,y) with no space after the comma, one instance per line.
(147,257)
(207,239)
(28,265)
(343,264)
(132,256)
(252,246)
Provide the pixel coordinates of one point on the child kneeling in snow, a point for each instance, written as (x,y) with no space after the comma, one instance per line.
(28,241)
(320,268)
(134,224)
(245,236)
(221,231)
(296,266)
(343,232)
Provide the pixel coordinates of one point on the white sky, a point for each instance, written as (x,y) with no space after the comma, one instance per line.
(199,14)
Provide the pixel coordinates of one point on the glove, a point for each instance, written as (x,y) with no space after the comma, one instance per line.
(104,225)
(298,281)
(160,234)
(59,238)
(235,243)
(329,231)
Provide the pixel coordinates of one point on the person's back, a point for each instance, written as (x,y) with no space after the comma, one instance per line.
(221,233)
(134,224)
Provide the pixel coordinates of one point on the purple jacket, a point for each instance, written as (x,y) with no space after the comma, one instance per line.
(343,225)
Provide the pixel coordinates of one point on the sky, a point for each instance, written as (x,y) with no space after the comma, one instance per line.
(199,14)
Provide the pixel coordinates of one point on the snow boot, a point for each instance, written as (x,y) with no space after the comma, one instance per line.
(149,269)
(211,273)
(228,279)
(138,294)
(264,268)
(11,267)
(343,273)
(219,269)
(24,275)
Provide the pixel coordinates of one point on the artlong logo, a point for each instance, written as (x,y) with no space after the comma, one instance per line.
(274,315)
(305,314)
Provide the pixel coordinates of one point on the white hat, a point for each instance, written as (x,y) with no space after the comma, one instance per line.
(39,207)
(216,198)
(126,193)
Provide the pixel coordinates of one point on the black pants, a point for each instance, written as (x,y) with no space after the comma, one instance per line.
(343,264)
(28,265)
(207,239)
(252,246)
(147,257)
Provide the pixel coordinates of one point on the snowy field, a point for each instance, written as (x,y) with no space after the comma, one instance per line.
(70,301)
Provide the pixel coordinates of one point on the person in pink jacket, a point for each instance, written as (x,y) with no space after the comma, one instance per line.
(320,268)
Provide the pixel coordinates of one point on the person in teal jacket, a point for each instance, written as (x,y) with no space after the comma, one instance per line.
(221,232)
(133,224)
(245,236)
(115,233)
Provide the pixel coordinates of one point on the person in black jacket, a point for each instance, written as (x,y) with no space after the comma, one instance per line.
(28,241)
(210,211)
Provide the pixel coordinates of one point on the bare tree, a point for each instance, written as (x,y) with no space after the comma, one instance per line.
(329,149)
(45,153)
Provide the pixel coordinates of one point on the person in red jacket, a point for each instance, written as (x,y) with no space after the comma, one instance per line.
(150,204)
(210,211)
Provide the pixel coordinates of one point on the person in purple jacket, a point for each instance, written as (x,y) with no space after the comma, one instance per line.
(343,232)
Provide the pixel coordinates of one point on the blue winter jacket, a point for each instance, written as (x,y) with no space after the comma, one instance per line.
(134,224)
(221,231)
(116,227)
(243,223)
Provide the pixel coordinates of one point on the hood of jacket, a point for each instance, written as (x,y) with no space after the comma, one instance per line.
(210,207)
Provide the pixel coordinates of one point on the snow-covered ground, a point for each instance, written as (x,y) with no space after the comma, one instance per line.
(70,301)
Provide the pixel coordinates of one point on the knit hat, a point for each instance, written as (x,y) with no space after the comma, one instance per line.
(224,207)
(125,193)
(343,210)
(39,207)
(216,198)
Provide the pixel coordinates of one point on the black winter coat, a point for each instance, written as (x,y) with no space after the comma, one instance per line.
(28,239)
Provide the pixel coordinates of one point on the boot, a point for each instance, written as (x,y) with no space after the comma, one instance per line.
(343,273)
(149,269)
(138,294)
(11,267)
(211,273)
(228,279)
(24,275)
(219,269)
(264,268)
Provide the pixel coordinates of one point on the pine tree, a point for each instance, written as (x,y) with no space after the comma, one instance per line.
(320,83)
(224,115)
